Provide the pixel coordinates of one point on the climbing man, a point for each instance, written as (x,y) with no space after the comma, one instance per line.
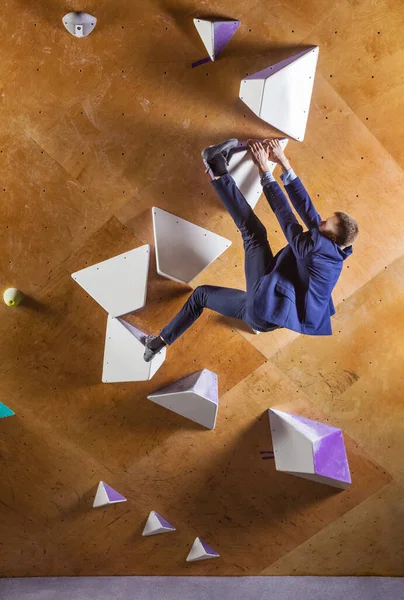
(291,289)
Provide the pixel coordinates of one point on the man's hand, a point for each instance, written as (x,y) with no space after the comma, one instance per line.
(276,154)
(259,155)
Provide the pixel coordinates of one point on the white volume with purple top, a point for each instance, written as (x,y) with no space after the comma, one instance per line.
(215,34)
(309,449)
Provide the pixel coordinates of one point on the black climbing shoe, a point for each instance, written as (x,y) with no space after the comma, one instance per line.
(152,344)
(217,157)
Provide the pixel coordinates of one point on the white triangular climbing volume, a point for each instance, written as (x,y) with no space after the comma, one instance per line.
(184,250)
(118,284)
(156,524)
(201,551)
(107,495)
(280,95)
(194,397)
(123,354)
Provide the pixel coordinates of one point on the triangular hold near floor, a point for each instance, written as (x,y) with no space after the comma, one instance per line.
(194,397)
(309,449)
(280,95)
(107,495)
(184,250)
(156,524)
(123,354)
(216,35)
(201,551)
(118,284)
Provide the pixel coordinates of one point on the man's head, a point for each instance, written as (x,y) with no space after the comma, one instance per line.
(341,228)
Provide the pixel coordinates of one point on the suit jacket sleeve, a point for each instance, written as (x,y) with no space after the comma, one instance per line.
(302,203)
(301,243)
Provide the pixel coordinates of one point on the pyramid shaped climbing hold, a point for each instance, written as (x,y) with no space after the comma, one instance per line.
(123,354)
(201,551)
(246,174)
(118,284)
(184,250)
(216,35)
(194,397)
(106,495)
(280,95)
(309,449)
(156,524)
(5,411)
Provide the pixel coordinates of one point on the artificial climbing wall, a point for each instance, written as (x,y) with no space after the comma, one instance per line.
(96,131)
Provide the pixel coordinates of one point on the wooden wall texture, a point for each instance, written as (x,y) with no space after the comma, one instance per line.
(95,132)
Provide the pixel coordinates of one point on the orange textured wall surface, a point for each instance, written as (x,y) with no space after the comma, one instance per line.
(96,131)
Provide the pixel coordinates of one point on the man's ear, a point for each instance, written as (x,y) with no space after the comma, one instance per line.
(331,236)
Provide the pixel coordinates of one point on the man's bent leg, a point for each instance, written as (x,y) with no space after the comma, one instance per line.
(226,301)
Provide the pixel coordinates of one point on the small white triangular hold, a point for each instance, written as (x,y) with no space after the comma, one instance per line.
(281,94)
(194,397)
(201,551)
(118,284)
(184,250)
(245,172)
(123,354)
(107,495)
(309,449)
(156,524)
(216,34)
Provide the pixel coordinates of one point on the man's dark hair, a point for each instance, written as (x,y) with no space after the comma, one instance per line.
(347,229)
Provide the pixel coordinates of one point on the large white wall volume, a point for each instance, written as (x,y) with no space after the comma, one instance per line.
(118,284)
(123,354)
(184,250)
(281,94)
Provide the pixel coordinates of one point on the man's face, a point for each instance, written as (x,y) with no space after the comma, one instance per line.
(329,227)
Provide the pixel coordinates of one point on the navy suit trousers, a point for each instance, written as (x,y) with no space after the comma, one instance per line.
(258,261)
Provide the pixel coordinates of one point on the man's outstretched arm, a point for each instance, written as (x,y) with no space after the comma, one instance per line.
(300,243)
(297,193)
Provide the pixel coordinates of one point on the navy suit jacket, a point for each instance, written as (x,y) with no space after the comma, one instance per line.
(296,292)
